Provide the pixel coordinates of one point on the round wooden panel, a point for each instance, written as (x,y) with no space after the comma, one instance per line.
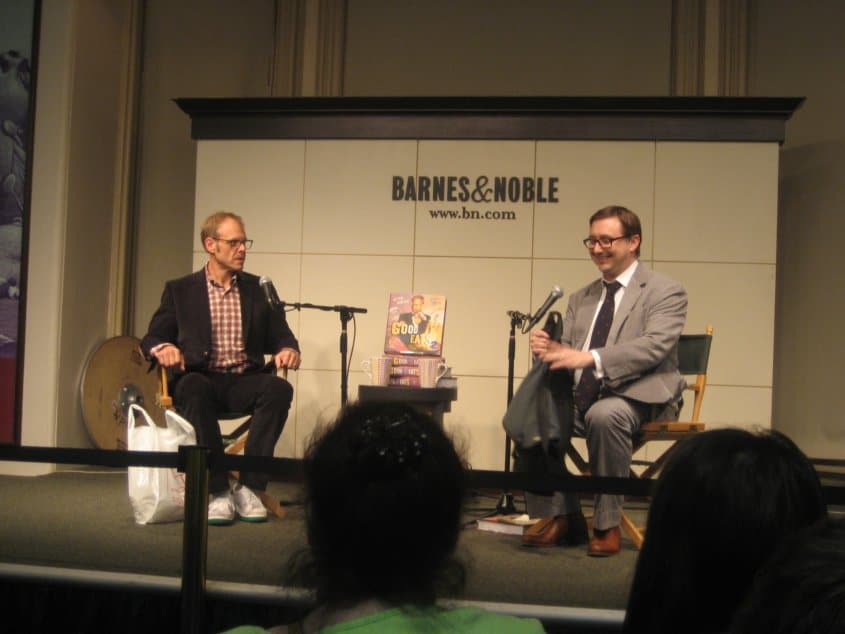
(115,376)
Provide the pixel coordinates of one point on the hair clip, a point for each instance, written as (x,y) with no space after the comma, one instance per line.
(393,441)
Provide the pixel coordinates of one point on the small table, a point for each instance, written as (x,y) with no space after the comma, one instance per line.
(434,401)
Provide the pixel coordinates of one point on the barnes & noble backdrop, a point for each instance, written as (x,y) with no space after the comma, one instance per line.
(493,226)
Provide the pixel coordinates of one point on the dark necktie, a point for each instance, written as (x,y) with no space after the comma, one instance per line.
(587,390)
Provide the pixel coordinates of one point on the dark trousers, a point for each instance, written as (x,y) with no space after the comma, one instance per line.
(201,397)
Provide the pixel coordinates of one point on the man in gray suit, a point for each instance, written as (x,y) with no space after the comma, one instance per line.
(624,360)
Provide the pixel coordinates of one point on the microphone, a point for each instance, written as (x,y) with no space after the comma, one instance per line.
(555,295)
(270,293)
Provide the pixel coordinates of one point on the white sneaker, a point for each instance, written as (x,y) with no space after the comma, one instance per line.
(248,506)
(221,508)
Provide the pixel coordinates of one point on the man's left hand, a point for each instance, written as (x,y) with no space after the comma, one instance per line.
(559,356)
(287,358)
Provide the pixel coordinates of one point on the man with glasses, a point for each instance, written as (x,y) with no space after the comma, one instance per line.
(212,331)
(620,341)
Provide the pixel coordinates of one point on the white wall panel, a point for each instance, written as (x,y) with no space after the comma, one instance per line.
(593,174)
(363,281)
(476,420)
(505,224)
(716,202)
(479,292)
(262,181)
(348,208)
(317,400)
(739,300)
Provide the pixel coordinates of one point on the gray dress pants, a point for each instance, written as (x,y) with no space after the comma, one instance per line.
(608,427)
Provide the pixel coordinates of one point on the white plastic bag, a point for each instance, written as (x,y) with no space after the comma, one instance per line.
(157,494)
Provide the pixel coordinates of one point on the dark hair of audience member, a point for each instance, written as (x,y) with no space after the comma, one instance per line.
(722,504)
(384,486)
(801,590)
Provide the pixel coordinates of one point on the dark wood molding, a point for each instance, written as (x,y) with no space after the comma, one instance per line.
(510,118)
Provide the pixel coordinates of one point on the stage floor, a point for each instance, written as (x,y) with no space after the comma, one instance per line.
(78,526)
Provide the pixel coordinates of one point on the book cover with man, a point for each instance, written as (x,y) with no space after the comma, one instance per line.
(415,324)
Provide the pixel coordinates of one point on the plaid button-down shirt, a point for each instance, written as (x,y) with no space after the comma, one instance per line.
(227,339)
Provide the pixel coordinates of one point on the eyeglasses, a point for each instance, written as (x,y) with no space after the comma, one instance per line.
(236,243)
(604,242)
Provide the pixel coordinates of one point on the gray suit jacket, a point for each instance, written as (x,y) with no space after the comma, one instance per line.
(640,360)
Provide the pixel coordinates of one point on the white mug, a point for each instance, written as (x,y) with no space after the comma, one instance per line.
(378,369)
(431,369)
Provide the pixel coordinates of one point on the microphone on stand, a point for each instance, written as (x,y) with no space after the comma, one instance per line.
(270,293)
(554,295)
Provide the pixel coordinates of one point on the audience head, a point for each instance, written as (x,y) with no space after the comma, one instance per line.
(801,590)
(722,504)
(384,488)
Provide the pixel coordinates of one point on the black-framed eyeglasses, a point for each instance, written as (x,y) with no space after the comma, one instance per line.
(604,242)
(236,243)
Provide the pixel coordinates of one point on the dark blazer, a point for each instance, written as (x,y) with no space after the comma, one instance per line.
(184,319)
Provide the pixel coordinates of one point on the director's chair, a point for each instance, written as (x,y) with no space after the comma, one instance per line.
(693,359)
(233,441)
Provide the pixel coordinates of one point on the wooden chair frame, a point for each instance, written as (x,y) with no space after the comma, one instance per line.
(693,359)
(233,442)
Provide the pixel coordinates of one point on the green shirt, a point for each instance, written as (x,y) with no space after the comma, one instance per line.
(422,621)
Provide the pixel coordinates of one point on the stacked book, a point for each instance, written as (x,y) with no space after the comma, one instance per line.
(405,371)
(506,524)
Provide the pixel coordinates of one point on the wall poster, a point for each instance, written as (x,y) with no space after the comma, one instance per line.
(18,52)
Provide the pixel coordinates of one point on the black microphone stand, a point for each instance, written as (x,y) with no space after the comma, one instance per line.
(345,313)
(505,505)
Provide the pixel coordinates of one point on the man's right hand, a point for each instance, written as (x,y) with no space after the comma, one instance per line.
(540,342)
(169,356)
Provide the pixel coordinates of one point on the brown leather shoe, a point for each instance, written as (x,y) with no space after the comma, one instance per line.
(570,529)
(605,543)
